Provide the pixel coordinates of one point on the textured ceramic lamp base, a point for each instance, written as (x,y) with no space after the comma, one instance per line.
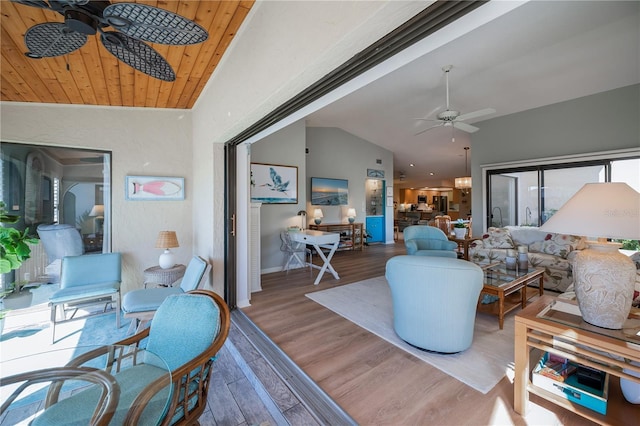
(604,284)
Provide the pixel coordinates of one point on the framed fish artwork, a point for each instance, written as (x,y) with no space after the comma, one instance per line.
(273,184)
(154,188)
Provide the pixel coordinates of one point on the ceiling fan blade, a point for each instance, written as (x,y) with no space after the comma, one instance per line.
(154,25)
(430,114)
(476,114)
(429,128)
(465,127)
(137,55)
(52,39)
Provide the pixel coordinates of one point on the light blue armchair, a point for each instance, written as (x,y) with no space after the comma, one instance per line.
(86,280)
(423,240)
(59,240)
(142,304)
(434,301)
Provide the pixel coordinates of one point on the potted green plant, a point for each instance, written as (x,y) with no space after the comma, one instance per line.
(460,229)
(14,250)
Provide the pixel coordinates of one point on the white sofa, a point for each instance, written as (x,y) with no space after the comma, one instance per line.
(553,252)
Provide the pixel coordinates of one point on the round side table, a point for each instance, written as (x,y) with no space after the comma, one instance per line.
(163,277)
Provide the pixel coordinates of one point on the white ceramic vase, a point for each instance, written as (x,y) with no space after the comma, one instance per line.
(631,390)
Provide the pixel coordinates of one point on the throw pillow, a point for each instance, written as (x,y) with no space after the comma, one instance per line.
(498,238)
(558,244)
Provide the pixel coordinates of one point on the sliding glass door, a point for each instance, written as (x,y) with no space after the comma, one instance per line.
(529,196)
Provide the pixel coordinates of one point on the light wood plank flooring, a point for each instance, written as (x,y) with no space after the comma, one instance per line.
(372,380)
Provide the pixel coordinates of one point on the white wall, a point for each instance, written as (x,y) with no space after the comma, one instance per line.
(601,122)
(334,153)
(148,142)
(281,48)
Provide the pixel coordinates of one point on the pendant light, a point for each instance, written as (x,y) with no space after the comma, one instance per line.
(465,181)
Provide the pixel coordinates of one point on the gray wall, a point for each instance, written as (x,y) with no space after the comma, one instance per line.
(602,122)
(334,153)
(286,148)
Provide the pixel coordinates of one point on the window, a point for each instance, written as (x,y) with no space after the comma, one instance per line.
(47,184)
(530,195)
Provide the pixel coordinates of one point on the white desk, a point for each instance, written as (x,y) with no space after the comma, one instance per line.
(319,239)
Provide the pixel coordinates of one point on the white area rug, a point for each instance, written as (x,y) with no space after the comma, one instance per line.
(368,304)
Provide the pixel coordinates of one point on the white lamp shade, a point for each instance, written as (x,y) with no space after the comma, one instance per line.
(351,212)
(317,213)
(97,210)
(463,182)
(610,210)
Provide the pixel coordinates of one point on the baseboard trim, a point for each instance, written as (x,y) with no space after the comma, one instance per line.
(320,405)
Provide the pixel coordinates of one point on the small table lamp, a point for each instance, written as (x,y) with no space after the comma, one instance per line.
(604,278)
(97,211)
(317,216)
(167,240)
(351,215)
(303,215)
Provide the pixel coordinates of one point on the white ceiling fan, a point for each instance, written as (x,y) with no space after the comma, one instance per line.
(452,118)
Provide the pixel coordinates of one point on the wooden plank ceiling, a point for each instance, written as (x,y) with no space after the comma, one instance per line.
(95,77)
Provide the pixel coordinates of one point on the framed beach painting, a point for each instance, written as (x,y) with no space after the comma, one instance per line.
(155,188)
(274,184)
(329,192)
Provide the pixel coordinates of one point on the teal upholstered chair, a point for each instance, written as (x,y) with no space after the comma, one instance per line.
(89,279)
(186,333)
(59,240)
(423,240)
(434,301)
(141,304)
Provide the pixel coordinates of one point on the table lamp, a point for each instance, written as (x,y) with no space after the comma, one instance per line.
(97,211)
(351,215)
(317,216)
(167,240)
(303,215)
(604,278)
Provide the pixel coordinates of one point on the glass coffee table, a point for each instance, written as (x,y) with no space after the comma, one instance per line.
(510,287)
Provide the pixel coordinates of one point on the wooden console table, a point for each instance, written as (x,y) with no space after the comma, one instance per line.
(545,326)
(350,234)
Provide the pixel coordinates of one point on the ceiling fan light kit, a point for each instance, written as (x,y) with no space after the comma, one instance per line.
(134,24)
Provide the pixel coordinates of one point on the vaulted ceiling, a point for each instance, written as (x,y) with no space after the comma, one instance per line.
(93,76)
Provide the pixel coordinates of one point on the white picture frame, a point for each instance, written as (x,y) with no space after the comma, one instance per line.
(154,188)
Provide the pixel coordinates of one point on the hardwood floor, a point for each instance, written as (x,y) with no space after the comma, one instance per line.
(372,380)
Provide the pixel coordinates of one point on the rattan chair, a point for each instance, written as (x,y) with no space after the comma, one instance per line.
(186,333)
(187,336)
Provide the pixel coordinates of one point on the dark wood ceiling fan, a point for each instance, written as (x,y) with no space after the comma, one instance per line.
(133,24)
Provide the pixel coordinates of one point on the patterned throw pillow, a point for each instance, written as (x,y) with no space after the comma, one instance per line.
(558,244)
(497,238)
